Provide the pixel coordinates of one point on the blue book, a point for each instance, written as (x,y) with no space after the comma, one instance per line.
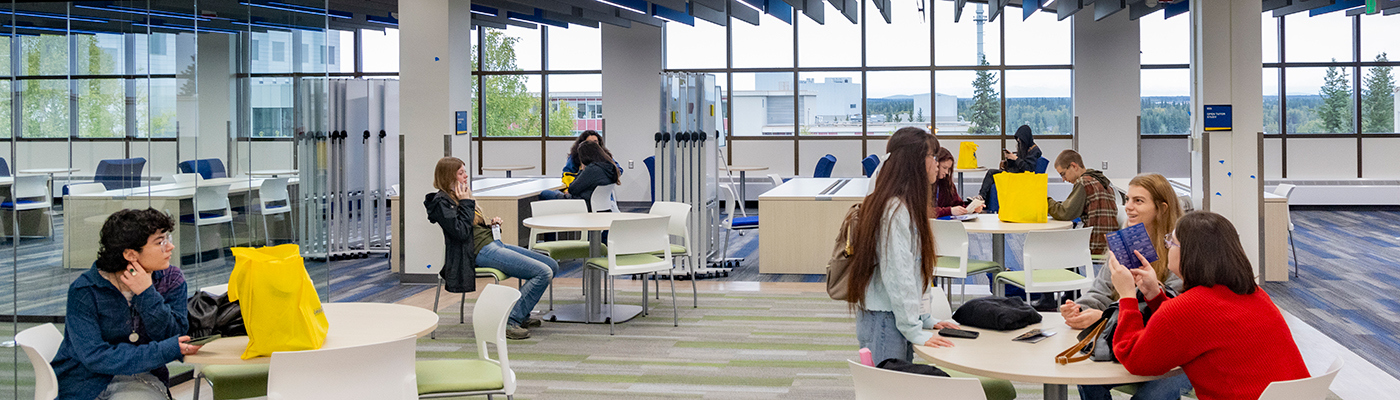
(1123,242)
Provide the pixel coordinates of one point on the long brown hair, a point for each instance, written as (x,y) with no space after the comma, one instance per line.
(583,137)
(445,179)
(589,153)
(944,184)
(1211,254)
(903,177)
(1168,212)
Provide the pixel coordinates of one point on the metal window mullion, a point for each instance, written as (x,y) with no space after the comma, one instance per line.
(1356,92)
(73,121)
(1282,100)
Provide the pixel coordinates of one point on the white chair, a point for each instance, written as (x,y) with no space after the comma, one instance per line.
(1314,388)
(631,245)
(732,223)
(1286,190)
(41,343)
(950,239)
(86,188)
(603,198)
(394,190)
(776,179)
(873,383)
(1049,257)
(370,372)
(482,376)
(558,249)
(211,206)
(676,228)
(31,192)
(273,200)
(186,178)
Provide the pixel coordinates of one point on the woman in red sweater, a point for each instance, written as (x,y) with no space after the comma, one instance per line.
(1223,330)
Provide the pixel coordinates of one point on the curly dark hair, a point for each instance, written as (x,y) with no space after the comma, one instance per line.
(128,229)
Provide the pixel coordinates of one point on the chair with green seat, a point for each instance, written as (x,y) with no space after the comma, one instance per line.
(1050,258)
(481,376)
(676,229)
(631,245)
(234,381)
(950,239)
(481,272)
(559,250)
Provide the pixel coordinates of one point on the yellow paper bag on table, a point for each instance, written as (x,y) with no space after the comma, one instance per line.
(967,156)
(280,306)
(1022,197)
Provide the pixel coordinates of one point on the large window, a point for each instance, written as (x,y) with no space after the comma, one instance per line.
(1166,74)
(1324,89)
(517,69)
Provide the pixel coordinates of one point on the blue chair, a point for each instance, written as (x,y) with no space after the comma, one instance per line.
(1041,165)
(869,164)
(651,171)
(824,166)
(4,168)
(120,173)
(207,168)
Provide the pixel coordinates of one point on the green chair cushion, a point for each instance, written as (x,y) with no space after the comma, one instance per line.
(625,260)
(973,266)
(483,272)
(237,381)
(995,389)
(675,251)
(565,249)
(1044,275)
(445,376)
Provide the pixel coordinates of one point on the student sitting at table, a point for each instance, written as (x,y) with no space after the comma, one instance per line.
(572,167)
(1224,331)
(1091,201)
(470,243)
(599,169)
(126,315)
(1151,202)
(945,195)
(892,265)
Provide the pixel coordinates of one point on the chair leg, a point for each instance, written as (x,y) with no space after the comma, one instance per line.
(437,293)
(197,378)
(657,279)
(675,314)
(462,310)
(694,293)
(612,311)
(551,296)
(267,236)
(645,299)
(1295,254)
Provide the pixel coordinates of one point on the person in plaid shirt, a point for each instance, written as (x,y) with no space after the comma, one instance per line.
(1091,201)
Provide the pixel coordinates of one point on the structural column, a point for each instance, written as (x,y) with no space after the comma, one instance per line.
(1107,90)
(632,101)
(435,82)
(1226,70)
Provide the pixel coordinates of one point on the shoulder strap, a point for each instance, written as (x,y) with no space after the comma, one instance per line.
(1076,353)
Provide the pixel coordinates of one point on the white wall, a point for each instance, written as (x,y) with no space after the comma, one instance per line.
(1105,92)
(1169,157)
(632,82)
(1321,158)
(1378,158)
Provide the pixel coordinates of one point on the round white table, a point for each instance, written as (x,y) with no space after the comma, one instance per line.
(994,355)
(989,223)
(273,172)
(592,310)
(962,190)
(509,168)
(743,180)
(351,324)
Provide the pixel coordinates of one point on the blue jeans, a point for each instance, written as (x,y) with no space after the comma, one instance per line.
(553,195)
(518,262)
(142,386)
(1170,388)
(875,330)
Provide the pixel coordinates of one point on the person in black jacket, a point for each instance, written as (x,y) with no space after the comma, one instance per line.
(470,243)
(1023,160)
(599,169)
(571,167)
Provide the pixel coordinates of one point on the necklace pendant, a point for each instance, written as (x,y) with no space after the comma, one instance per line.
(134,337)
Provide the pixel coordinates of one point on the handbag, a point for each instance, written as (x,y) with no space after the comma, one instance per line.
(1090,339)
(1021,197)
(280,308)
(967,155)
(837,276)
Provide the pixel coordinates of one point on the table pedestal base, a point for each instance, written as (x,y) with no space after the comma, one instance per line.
(579,313)
(1056,392)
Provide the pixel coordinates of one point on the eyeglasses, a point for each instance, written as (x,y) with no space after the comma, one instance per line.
(166,239)
(1170,240)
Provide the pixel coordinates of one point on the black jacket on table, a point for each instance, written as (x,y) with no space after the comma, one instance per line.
(455,219)
(594,175)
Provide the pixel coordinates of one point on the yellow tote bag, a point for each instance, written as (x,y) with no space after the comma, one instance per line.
(967,155)
(280,306)
(1022,197)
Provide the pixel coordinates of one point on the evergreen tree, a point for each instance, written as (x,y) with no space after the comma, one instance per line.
(920,116)
(510,109)
(1336,111)
(1378,100)
(985,113)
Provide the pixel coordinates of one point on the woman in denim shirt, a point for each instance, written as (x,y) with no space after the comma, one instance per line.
(126,316)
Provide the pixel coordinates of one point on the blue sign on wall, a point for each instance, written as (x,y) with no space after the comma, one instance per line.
(464,125)
(1218,117)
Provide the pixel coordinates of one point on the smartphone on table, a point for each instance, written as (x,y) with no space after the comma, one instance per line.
(200,341)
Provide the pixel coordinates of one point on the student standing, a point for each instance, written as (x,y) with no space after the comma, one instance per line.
(470,243)
(1224,331)
(126,315)
(1091,201)
(894,257)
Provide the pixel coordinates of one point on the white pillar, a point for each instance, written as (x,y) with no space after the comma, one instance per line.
(632,101)
(1226,69)
(435,81)
(1107,91)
